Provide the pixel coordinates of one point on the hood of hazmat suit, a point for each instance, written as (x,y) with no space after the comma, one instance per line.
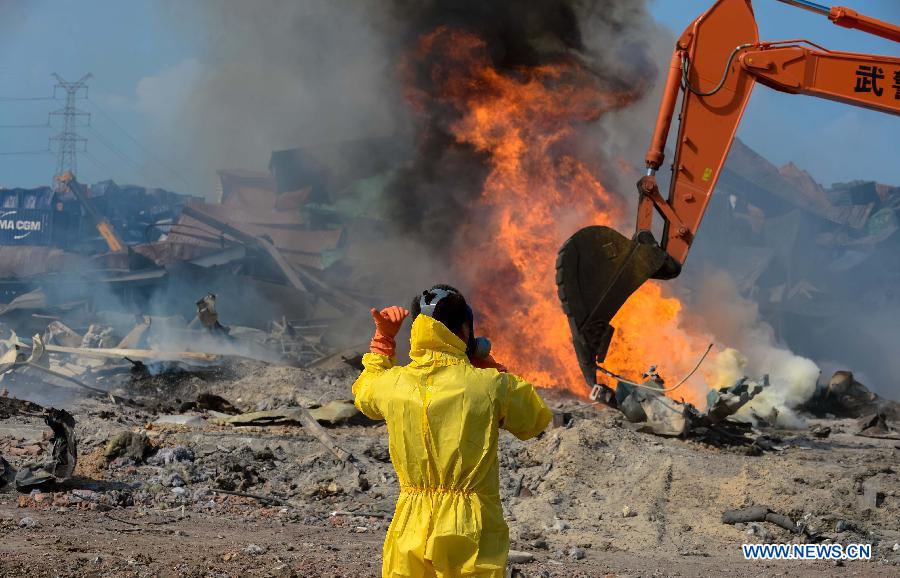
(443,417)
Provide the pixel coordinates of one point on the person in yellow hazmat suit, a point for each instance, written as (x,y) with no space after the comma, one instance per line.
(443,416)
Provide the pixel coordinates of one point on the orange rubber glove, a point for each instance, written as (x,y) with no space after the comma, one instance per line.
(488,363)
(387,325)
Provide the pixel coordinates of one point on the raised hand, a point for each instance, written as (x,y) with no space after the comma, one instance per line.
(387,325)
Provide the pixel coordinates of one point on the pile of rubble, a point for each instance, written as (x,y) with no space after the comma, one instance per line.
(96,357)
(649,405)
(195,453)
(287,252)
(155,448)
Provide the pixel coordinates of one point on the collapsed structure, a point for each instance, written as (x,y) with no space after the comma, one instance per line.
(284,256)
(279,246)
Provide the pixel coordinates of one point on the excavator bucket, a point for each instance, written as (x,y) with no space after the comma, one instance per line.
(597,269)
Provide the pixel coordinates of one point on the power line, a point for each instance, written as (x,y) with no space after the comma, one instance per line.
(102,140)
(14,153)
(41,152)
(69,139)
(25,98)
(45,125)
(148,152)
(99,164)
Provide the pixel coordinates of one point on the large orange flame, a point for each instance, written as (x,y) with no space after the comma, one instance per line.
(538,193)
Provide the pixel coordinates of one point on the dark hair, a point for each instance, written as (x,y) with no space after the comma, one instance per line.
(452,310)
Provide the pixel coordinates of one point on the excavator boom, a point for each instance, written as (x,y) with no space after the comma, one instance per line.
(104,227)
(715,65)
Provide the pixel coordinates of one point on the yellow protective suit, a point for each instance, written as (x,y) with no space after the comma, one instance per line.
(443,417)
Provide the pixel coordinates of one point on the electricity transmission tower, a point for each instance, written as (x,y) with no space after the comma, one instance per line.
(68,138)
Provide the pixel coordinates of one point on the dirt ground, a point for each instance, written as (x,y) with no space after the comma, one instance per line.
(594,498)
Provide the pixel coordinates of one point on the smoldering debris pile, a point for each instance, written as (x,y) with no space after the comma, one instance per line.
(646,404)
(728,420)
(279,262)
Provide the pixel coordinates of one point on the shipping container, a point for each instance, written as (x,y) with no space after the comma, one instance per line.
(26,216)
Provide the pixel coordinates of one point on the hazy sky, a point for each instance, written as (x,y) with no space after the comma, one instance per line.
(138,62)
(125,45)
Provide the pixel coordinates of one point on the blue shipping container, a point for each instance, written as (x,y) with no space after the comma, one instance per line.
(26,216)
(25,226)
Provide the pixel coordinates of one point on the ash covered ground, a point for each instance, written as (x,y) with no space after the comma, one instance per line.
(591,497)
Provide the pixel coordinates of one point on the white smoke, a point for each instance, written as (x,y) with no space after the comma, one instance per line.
(716,306)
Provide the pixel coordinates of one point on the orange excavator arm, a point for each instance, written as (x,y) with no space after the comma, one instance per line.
(104,227)
(715,65)
(716,62)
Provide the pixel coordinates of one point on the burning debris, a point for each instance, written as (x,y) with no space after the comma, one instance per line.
(651,403)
